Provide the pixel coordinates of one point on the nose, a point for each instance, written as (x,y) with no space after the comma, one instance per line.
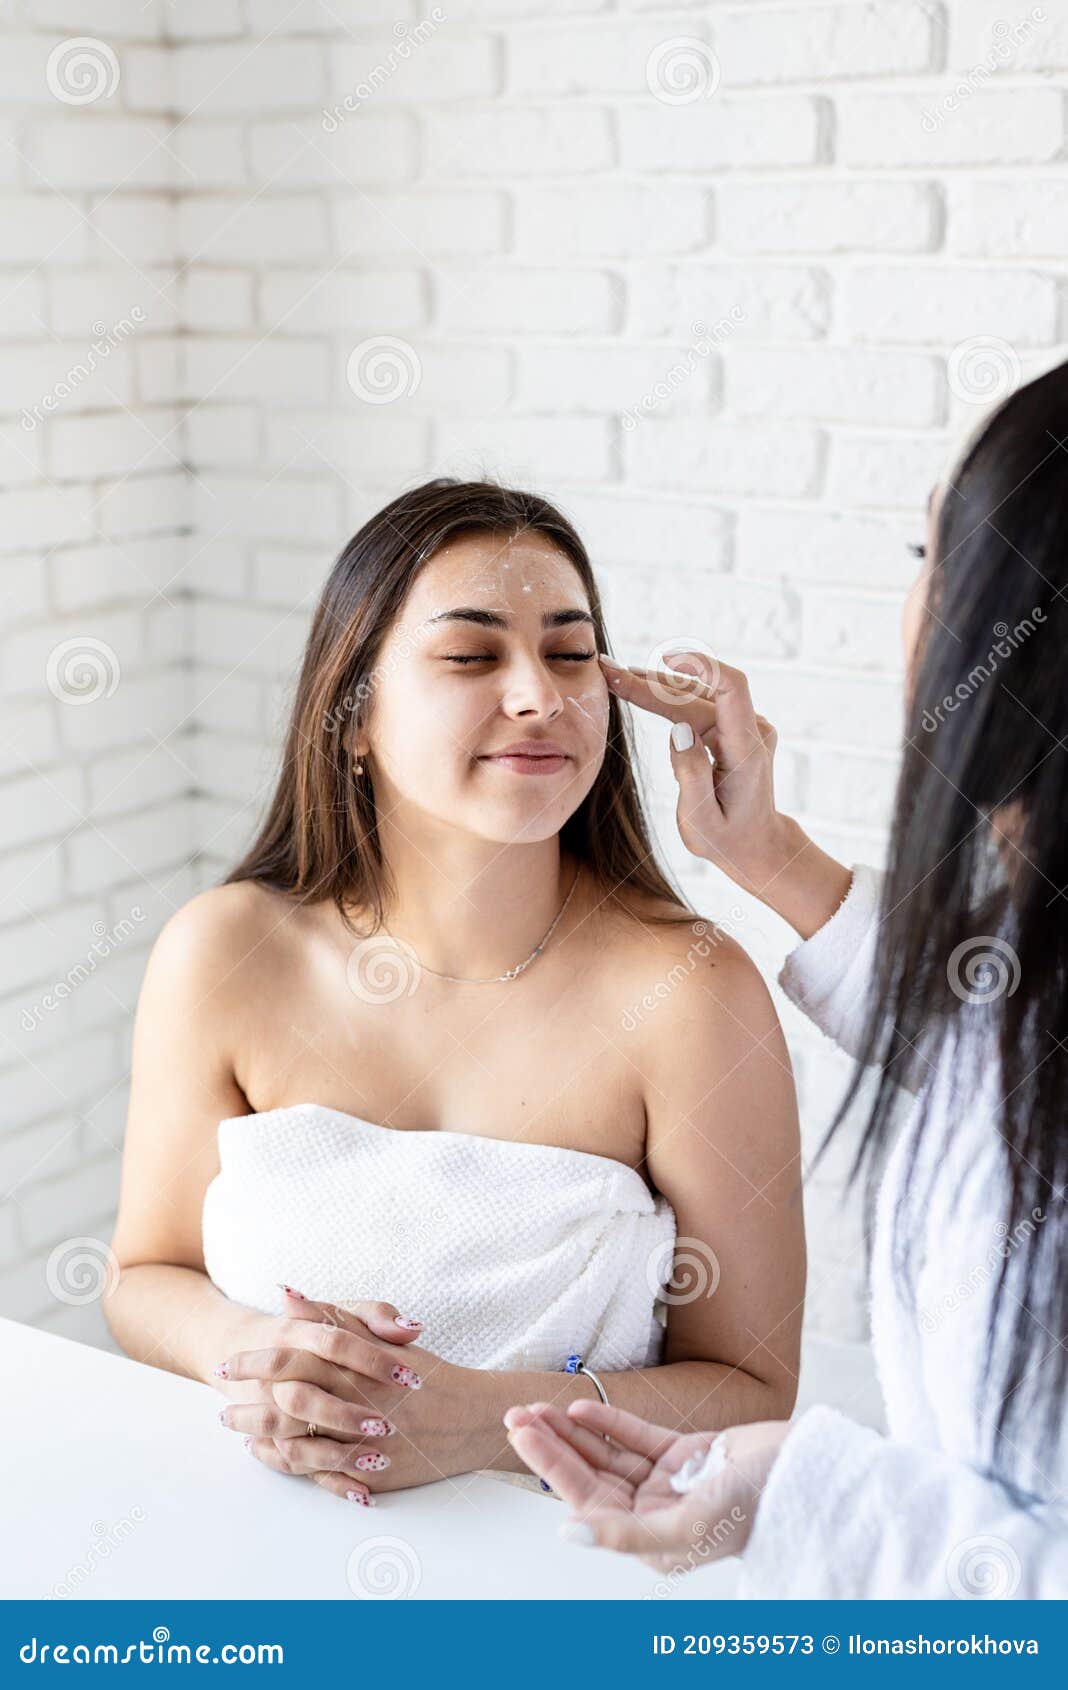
(531,690)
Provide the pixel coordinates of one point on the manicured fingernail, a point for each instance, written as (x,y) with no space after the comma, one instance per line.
(247,1443)
(222,1415)
(402,1375)
(222,1370)
(578,1531)
(373,1461)
(603,655)
(409,1325)
(289,1291)
(376,1428)
(361,1496)
(682,736)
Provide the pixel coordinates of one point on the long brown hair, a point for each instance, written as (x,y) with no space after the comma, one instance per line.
(319,838)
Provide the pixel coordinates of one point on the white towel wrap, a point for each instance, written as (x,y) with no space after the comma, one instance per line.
(511,1254)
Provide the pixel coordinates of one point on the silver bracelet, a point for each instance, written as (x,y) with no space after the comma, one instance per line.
(575,1364)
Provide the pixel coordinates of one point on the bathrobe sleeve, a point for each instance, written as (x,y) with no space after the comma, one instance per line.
(849,1513)
(828,975)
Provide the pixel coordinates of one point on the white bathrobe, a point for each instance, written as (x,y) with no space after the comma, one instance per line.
(848,1512)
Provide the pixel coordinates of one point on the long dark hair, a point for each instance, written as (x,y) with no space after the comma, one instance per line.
(973,938)
(319,838)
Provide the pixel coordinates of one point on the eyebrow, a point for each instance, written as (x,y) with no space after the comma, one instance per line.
(493,618)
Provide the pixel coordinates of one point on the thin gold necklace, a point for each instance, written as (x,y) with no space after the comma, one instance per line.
(513,973)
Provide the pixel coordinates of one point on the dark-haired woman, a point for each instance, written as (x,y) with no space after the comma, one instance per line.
(440,1084)
(950,980)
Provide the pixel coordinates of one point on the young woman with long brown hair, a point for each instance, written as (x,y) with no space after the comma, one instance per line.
(391,1062)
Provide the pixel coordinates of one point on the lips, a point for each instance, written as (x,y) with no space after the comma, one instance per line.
(530,757)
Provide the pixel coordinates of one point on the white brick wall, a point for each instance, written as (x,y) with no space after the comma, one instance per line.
(539,203)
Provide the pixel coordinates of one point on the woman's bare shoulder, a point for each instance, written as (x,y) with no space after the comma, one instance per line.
(224,933)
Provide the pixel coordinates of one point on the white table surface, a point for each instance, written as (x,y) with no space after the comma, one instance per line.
(119,1481)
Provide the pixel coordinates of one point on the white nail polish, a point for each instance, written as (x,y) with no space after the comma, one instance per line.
(578,1531)
(682,736)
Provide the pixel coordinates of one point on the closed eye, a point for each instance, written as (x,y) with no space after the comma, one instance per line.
(562,656)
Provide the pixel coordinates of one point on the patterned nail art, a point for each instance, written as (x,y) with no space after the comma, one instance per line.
(248,1446)
(372,1462)
(363,1497)
(376,1428)
(222,1370)
(402,1375)
(409,1325)
(222,1415)
(289,1291)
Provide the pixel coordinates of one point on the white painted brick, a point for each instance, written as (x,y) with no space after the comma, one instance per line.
(531,301)
(27,737)
(134,780)
(42,227)
(212,299)
(268,508)
(286,577)
(461,377)
(223,437)
(747,619)
(810,43)
(270,76)
(24,308)
(148,79)
(130,20)
(806,216)
(38,1152)
(721,134)
(888,470)
(764,458)
(117,301)
(826,547)
(97,446)
(73,152)
(9,160)
(518,141)
(39,805)
(847,631)
(29,881)
(64,1208)
(605,57)
(444,67)
(282,17)
(419,225)
(229,228)
(84,578)
(22,589)
(990,40)
(200,19)
(620,528)
(140,228)
(369,147)
(21,455)
(209,154)
(157,361)
(47,380)
(42,516)
(609,377)
(859,711)
(941,306)
(142,708)
(301,301)
(117,848)
(143,504)
(917,129)
(725,301)
(266,368)
(526,449)
(625,221)
(24,1293)
(848,788)
(24,73)
(369,444)
(259,641)
(841,384)
(240,769)
(215,567)
(231,704)
(1010,218)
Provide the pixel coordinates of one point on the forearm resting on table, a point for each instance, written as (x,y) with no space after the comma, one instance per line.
(175,1318)
(687,1396)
